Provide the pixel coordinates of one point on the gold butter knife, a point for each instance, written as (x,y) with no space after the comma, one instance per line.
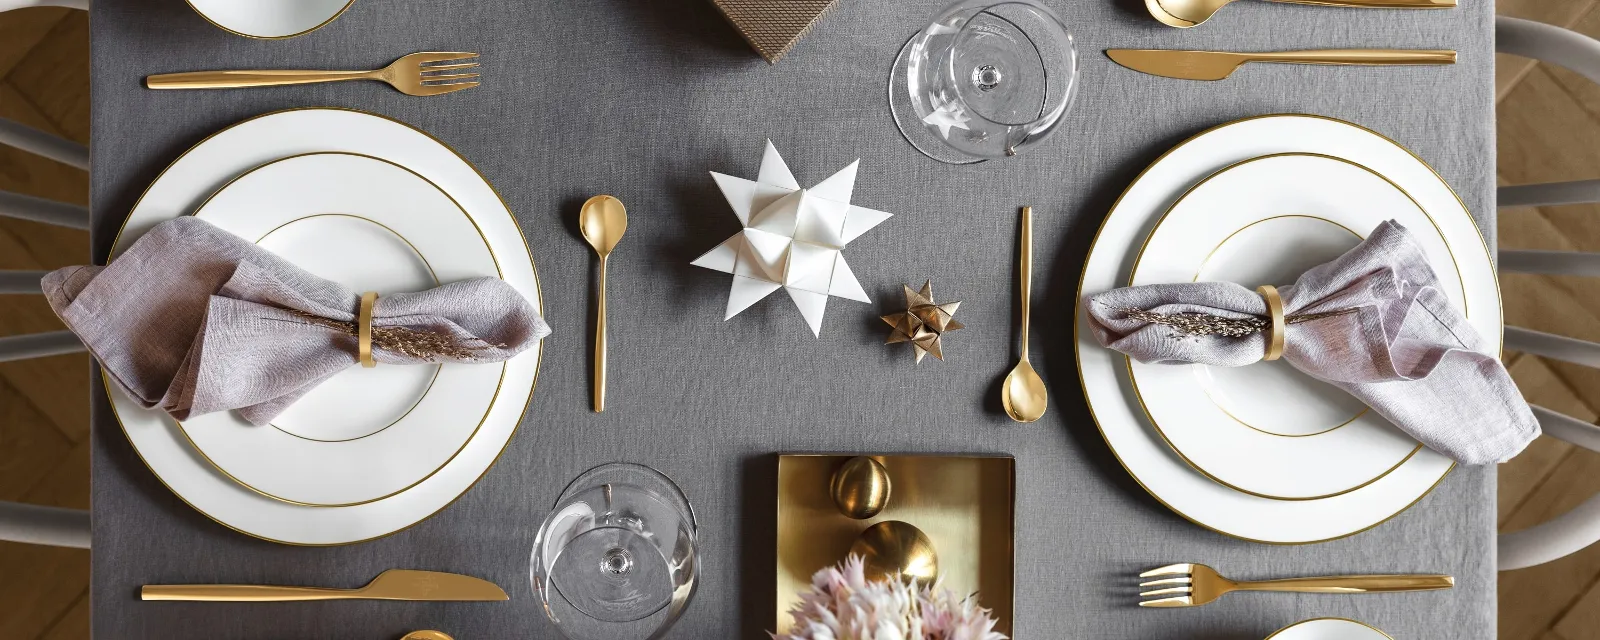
(394,584)
(1216,65)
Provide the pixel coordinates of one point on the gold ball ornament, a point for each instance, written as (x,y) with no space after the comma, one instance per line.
(860,488)
(896,550)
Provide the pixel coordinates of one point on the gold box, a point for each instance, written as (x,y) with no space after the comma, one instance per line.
(965,504)
(772,27)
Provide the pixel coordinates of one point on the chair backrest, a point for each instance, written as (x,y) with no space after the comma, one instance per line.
(1579,527)
(26,523)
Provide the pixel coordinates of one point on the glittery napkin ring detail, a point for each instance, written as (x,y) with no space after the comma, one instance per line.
(1278,327)
(364,329)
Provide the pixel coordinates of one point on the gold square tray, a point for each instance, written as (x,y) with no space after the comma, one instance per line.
(965,504)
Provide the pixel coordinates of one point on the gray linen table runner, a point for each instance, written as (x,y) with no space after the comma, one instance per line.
(1391,339)
(193,319)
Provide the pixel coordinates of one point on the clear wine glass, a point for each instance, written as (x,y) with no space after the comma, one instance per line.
(616,557)
(983,80)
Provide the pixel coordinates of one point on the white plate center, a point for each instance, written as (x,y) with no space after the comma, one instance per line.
(1273,396)
(364,256)
(269,18)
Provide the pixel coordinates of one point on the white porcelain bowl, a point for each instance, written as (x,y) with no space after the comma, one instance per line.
(270,19)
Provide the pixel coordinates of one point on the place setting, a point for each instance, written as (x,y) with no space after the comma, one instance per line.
(322,326)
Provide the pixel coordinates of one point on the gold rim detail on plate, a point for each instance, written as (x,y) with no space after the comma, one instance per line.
(1374,629)
(498,385)
(1139,258)
(1078,321)
(539,294)
(218,25)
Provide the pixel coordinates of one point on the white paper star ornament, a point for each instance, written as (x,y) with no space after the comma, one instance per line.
(793,238)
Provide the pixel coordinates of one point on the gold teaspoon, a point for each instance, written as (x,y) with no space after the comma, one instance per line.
(427,635)
(603,221)
(1023,392)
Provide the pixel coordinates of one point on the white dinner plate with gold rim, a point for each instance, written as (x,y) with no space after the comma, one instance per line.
(212,163)
(1103,373)
(270,19)
(363,434)
(1267,428)
(1329,629)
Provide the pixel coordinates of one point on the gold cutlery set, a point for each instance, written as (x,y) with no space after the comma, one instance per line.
(602,220)
(394,584)
(1217,65)
(425,73)
(1193,585)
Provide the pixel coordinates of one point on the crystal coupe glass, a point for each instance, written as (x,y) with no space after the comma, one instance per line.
(616,557)
(983,80)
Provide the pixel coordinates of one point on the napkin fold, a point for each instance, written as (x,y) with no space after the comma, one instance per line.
(1391,339)
(193,319)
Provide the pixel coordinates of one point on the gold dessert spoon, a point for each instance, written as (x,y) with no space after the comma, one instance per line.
(1187,13)
(603,220)
(1023,392)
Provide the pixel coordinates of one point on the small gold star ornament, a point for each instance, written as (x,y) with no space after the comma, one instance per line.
(923,323)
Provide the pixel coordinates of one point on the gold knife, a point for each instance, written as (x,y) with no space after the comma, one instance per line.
(394,584)
(1216,65)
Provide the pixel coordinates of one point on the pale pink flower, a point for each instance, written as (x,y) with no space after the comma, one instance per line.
(844,605)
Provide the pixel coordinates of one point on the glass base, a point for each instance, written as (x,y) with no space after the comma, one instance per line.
(615,560)
(911,126)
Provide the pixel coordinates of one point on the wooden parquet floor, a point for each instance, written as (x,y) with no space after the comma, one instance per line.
(1549,129)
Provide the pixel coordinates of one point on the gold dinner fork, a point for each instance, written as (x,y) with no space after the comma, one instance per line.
(410,75)
(1198,584)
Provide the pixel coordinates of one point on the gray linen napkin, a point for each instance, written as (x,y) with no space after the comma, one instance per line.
(1403,349)
(193,319)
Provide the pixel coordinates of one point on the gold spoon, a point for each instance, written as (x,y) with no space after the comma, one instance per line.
(427,635)
(1187,13)
(1023,392)
(603,220)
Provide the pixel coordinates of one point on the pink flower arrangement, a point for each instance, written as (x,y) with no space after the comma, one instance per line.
(844,605)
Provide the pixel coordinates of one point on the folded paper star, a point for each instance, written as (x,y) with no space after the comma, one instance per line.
(792,238)
(923,323)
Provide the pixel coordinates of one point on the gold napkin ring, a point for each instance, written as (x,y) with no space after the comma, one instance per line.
(364,329)
(1278,328)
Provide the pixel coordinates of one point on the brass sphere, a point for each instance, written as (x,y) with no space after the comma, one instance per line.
(895,549)
(860,488)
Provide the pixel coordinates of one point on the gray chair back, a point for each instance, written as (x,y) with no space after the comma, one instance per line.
(1579,527)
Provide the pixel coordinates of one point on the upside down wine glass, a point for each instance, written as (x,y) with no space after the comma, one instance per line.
(983,80)
(616,557)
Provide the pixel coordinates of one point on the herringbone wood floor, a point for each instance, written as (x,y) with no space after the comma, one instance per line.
(1549,129)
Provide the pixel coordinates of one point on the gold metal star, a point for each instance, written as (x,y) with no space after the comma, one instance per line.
(923,323)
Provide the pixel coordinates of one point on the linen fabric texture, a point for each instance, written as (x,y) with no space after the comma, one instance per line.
(1401,346)
(193,320)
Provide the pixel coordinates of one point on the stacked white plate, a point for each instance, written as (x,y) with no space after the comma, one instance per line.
(378,206)
(1265,453)
(1329,629)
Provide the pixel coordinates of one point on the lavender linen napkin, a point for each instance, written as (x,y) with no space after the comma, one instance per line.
(193,319)
(1402,348)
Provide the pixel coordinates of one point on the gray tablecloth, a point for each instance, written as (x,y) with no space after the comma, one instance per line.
(640,98)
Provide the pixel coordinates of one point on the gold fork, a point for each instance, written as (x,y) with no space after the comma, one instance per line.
(408,75)
(1200,584)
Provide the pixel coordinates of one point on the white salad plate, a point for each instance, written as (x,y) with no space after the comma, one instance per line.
(270,19)
(1329,629)
(234,151)
(1104,373)
(363,434)
(1268,429)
